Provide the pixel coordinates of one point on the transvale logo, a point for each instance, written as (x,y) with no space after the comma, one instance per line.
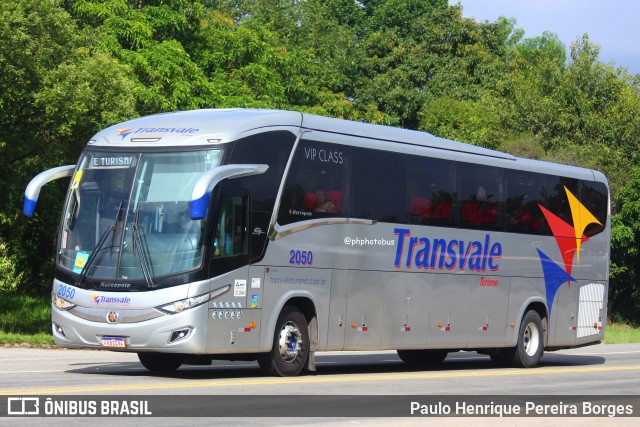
(102,299)
(125,132)
(569,238)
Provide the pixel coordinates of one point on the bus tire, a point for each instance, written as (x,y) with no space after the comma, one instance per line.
(423,357)
(161,362)
(500,358)
(290,349)
(528,351)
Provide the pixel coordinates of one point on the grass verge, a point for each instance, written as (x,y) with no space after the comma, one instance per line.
(27,315)
(40,339)
(25,320)
(620,333)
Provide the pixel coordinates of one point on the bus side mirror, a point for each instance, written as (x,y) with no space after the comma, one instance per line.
(33,189)
(206,183)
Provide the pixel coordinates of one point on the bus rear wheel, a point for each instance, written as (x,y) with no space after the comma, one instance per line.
(161,362)
(423,357)
(290,350)
(528,351)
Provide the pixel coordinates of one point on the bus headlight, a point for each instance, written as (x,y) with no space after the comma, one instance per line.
(60,303)
(187,303)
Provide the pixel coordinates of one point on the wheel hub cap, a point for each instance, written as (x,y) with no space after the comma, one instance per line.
(290,340)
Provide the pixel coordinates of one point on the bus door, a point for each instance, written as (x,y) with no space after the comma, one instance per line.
(229,313)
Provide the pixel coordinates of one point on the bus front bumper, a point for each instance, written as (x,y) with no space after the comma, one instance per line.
(183,332)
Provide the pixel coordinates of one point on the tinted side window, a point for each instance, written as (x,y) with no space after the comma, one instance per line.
(529,193)
(318,183)
(432,197)
(595,197)
(272,149)
(556,200)
(525,192)
(481,194)
(379,185)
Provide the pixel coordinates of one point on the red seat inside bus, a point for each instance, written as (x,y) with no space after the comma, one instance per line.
(334,196)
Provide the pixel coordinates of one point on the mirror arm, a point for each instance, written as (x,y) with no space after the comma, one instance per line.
(32,192)
(201,194)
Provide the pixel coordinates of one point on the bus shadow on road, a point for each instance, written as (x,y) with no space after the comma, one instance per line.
(370,363)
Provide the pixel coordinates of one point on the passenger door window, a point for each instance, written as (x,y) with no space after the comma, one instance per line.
(231,230)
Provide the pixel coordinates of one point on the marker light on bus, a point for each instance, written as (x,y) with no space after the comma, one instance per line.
(60,303)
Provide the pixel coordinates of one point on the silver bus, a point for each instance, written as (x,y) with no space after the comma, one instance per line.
(270,235)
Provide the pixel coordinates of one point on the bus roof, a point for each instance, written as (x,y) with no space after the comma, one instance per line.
(194,127)
(391,134)
(198,127)
(216,126)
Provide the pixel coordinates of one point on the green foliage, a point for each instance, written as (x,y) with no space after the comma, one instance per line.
(473,122)
(35,37)
(523,145)
(25,315)
(167,79)
(9,276)
(69,68)
(624,295)
(85,93)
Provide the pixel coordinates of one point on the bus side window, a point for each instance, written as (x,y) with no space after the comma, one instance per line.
(431,191)
(231,229)
(379,185)
(595,197)
(481,197)
(525,193)
(318,184)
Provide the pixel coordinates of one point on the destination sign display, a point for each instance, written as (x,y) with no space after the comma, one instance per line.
(105,162)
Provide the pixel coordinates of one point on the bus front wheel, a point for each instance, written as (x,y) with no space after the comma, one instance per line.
(290,345)
(161,362)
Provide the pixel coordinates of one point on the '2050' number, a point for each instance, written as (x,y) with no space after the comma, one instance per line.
(301,257)
(66,292)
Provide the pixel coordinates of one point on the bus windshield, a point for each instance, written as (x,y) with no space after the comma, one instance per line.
(127,214)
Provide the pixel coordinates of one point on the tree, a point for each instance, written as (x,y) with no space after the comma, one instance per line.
(474,122)
(415,52)
(624,289)
(35,37)
(82,95)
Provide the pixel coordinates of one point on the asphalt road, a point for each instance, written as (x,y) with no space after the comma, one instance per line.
(594,370)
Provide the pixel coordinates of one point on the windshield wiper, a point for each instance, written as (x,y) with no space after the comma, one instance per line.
(139,241)
(103,238)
